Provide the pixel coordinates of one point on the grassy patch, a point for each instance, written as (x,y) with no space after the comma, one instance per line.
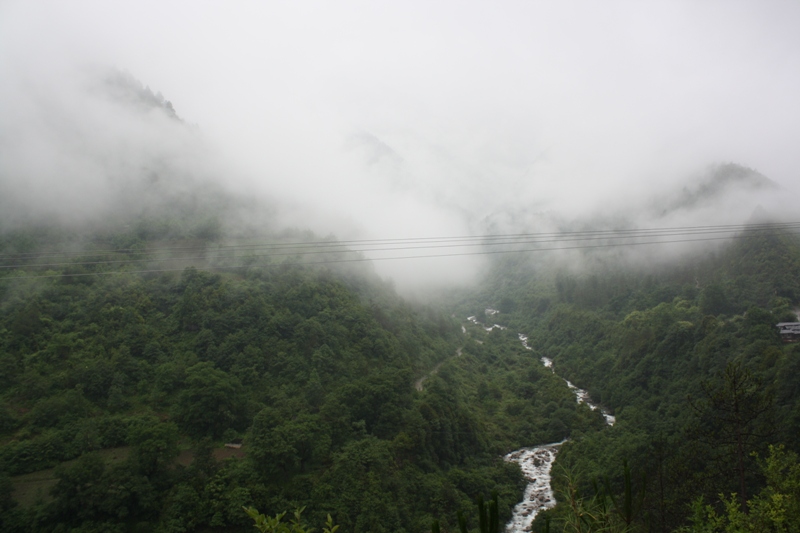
(32,488)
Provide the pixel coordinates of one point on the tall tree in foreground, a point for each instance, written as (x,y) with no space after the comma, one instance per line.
(775,509)
(733,417)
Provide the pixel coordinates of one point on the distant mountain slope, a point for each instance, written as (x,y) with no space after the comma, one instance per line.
(126,89)
(104,153)
(716,187)
(718,182)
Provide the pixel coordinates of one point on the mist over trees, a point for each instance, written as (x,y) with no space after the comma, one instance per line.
(173,349)
(122,382)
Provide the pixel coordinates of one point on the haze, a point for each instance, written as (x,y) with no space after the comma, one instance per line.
(410,119)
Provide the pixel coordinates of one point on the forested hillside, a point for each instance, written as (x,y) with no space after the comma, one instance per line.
(689,359)
(127,373)
(169,356)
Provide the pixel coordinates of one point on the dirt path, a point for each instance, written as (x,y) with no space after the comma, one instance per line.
(418,384)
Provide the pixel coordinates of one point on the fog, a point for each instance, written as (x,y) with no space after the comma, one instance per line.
(408,119)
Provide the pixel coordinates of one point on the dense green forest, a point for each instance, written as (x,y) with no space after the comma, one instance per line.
(399,267)
(125,372)
(122,380)
(688,358)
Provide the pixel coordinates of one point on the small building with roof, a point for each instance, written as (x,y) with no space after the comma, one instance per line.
(790,331)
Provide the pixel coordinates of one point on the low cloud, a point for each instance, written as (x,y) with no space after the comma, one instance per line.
(409,120)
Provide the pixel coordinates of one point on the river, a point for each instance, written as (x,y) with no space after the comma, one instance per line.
(537,462)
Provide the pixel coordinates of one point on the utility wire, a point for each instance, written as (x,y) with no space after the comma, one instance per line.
(365,259)
(304,250)
(470,240)
(314,248)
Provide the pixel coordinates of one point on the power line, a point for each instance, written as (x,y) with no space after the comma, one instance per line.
(367,259)
(467,240)
(304,251)
(384,245)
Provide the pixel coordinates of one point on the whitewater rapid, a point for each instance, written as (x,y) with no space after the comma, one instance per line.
(535,464)
(581,395)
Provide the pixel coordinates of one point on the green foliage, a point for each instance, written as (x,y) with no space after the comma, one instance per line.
(12,518)
(602,510)
(734,418)
(275,524)
(155,445)
(280,447)
(775,509)
(642,342)
(59,411)
(488,517)
(629,507)
(210,402)
(313,369)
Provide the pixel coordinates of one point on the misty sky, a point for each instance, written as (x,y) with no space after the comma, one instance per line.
(409,119)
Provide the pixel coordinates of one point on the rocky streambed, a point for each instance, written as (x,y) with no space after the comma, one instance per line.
(536,464)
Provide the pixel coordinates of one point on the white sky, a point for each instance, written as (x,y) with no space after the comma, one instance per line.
(398,119)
